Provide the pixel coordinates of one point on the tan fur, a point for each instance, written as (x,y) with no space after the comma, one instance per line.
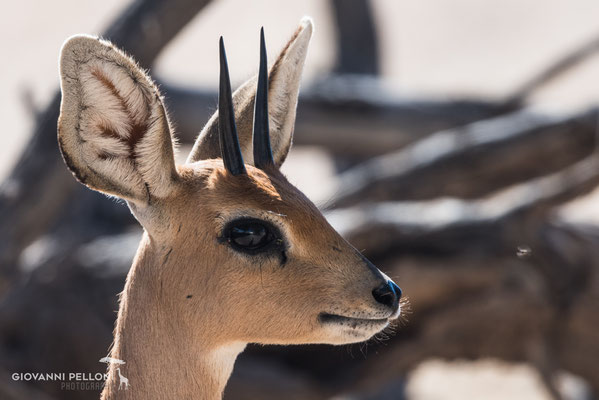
(191,302)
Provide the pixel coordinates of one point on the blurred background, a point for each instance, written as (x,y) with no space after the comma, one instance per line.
(453,142)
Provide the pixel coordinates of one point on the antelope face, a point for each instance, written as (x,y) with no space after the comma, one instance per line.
(278,271)
(240,254)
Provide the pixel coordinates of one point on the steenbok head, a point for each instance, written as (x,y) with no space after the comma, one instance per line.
(232,252)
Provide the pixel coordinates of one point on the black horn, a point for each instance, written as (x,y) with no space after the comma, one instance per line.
(229,143)
(262,151)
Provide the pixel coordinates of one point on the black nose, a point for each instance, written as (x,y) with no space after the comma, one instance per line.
(388,294)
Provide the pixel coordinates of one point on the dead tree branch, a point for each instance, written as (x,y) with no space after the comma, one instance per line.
(470,161)
(346,116)
(146,26)
(448,224)
(562,65)
(503,307)
(357,45)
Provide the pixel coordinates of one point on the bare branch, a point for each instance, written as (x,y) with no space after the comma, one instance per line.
(450,224)
(352,117)
(559,67)
(146,26)
(356,39)
(472,160)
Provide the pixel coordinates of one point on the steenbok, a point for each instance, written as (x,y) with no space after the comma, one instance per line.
(231,253)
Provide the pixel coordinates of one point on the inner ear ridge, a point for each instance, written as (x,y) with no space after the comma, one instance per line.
(98,107)
(128,131)
(132,190)
(157,146)
(100,132)
(109,147)
(136,117)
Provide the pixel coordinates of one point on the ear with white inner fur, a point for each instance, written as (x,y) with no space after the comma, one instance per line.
(113,130)
(283,89)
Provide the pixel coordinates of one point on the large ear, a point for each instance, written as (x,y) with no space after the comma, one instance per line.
(113,131)
(283,80)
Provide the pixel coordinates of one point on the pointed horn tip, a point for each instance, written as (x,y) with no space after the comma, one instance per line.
(222,53)
(262,40)
(307,23)
(262,150)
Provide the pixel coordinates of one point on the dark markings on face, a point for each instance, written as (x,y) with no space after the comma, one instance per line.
(168,254)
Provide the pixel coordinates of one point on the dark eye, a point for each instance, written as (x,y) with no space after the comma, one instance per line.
(250,235)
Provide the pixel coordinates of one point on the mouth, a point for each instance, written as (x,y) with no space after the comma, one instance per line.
(334,319)
(342,329)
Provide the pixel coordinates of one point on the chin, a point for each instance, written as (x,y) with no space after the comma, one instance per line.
(346,330)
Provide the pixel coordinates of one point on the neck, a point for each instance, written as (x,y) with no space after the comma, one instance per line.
(163,358)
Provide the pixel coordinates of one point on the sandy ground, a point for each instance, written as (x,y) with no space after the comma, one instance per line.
(430,48)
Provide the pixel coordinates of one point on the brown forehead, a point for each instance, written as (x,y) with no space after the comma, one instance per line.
(262,190)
